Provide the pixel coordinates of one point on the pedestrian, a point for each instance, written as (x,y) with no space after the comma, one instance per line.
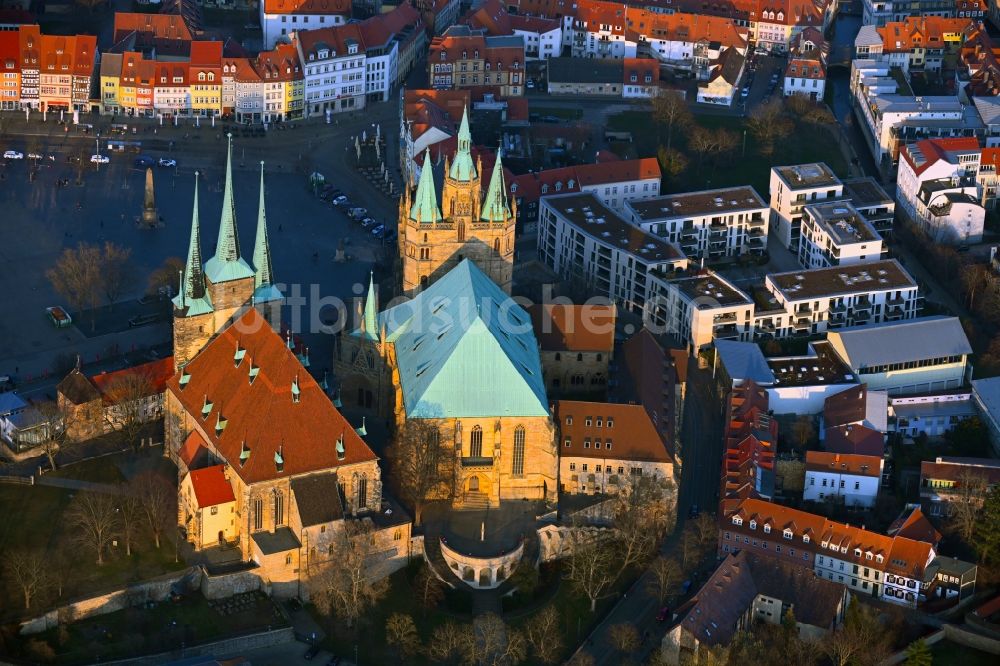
(280,228)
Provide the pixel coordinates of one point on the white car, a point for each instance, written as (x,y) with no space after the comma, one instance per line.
(13,155)
(166,162)
(35,156)
(100,159)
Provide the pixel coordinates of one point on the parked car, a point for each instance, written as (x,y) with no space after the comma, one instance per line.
(378,231)
(745,92)
(166,162)
(357,212)
(35,156)
(13,155)
(340,200)
(365,221)
(58,316)
(144,162)
(99,159)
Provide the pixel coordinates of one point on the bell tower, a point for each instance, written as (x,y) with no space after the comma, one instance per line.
(194,316)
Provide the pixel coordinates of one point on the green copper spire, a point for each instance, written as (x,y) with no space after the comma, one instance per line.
(227,264)
(261,248)
(193,297)
(369,327)
(462,167)
(495,204)
(425,207)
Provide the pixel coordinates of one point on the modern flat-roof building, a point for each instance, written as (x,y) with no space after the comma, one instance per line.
(932,414)
(817,300)
(710,224)
(835,234)
(932,357)
(874,204)
(699,309)
(586,242)
(986,394)
(949,479)
(791,189)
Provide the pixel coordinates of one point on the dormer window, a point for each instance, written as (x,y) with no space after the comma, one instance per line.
(185,378)
(244,453)
(558,185)
(323,54)
(857,552)
(879,559)
(476,54)
(513,187)
(443,55)
(296,393)
(545,189)
(805,538)
(570,183)
(352,49)
(201,76)
(753,524)
(787,534)
(340,447)
(211,76)
(767,529)
(465,55)
(868,556)
(206,408)
(737,520)
(279,460)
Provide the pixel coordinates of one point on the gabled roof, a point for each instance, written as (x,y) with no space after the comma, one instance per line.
(77,388)
(317,498)
(211,487)
(194,451)
(576,328)
(878,344)
(913,524)
(11,402)
(744,361)
(457,341)
(712,616)
(922,154)
(626,432)
(260,419)
(854,439)
(857,405)
(156,373)
(844,463)
(326,7)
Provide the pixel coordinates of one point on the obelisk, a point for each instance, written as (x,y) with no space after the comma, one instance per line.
(149,216)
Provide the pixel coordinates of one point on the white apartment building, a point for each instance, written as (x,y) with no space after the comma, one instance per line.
(937,187)
(586,242)
(835,234)
(933,414)
(880,12)
(851,478)
(279,18)
(699,309)
(710,224)
(791,189)
(805,76)
(874,204)
(334,67)
(933,358)
(814,301)
(381,67)
(543,37)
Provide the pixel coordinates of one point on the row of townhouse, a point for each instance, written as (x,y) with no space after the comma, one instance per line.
(880,12)
(46,72)
(805,73)
(464,58)
(917,43)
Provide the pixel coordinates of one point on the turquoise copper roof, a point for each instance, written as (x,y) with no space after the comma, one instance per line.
(425,207)
(228,264)
(264,287)
(462,168)
(495,204)
(192,297)
(465,349)
(369,322)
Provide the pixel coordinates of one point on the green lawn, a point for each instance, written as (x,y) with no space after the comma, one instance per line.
(164,626)
(99,470)
(809,143)
(558,112)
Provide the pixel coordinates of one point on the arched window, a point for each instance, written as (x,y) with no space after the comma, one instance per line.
(558,356)
(517,466)
(476,444)
(397,535)
(258,514)
(279,509)
(363,492)
(496,245)
(461,232)
(579,357)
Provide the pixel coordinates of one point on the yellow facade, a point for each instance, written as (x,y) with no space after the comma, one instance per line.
(109,93)
(294,94)
(206,97)
(206,526)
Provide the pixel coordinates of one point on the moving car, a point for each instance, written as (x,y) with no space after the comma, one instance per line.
(166,162)
(35,156)
(144,162)
(100,159)
(13,155)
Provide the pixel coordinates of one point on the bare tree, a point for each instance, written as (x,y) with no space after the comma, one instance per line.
(707,532)
(158,500)
(667,577)
(166,275)
(130,515)
(127,396)
(543,635)
(421,469)
(768,123)
(93,518)
(27,569)
(60,422)
(672,161)
(671,109)
(77,277)
(494,643)
(803,430)
(625,638)
(117,271)
(428,587)
(862,639)
(592,565)
(966,502)
(974,276)
(448,643)
(348,590)
(401,633)
(644,512)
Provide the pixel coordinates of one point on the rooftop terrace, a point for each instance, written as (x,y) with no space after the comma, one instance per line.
(705,202)
(842,222)
(817,174)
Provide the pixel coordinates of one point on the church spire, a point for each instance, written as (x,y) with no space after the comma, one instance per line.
(261,247)
(369,324)
(495,205)
(193,298)
(228,264)
(462,167)
(425,207)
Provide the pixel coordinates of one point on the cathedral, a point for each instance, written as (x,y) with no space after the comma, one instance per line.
(434,239)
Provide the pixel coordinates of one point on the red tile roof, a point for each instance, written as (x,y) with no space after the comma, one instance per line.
(307,7)
(574,328)
(632,435)
(914,525)
(936,149)
(641,68)
(150,28)
(262,417)
(844,463)
(280,64)
(955,469)
(211,487)
(193,447)
(156,373)
(9,51)
(854,439)
(927,32)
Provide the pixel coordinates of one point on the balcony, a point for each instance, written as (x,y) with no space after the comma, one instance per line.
(689,233)
(724,318)
(756,232)
(802,324)
(838,308)
(895,301)
(477,461)
(804,309)
(726,332)
(755,222)
(863,304)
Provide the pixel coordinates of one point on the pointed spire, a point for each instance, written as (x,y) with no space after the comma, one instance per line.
(369,323)
(194,277)
(462,167)
(495,205)
(261,246)
(425,206)
(228,264)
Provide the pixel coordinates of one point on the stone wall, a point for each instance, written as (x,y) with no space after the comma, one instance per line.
(553,540)
(226,585)
(482,573)
(235,645)
(156,589)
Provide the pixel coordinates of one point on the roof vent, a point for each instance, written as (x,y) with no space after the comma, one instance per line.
(238,356)
(220,424)
(254,371)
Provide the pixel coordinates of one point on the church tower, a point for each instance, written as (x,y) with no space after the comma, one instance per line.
(228,277)
(211,294)
(433,240)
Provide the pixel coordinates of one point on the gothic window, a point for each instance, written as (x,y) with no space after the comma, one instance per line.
(517,468)
(461,232)
(279,509)
(476,444)
(363,492)
(258,514)
(425,238)
(496,245)
(423,281)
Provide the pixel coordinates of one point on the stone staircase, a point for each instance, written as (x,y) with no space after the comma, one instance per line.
(474,502)
(432,550)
